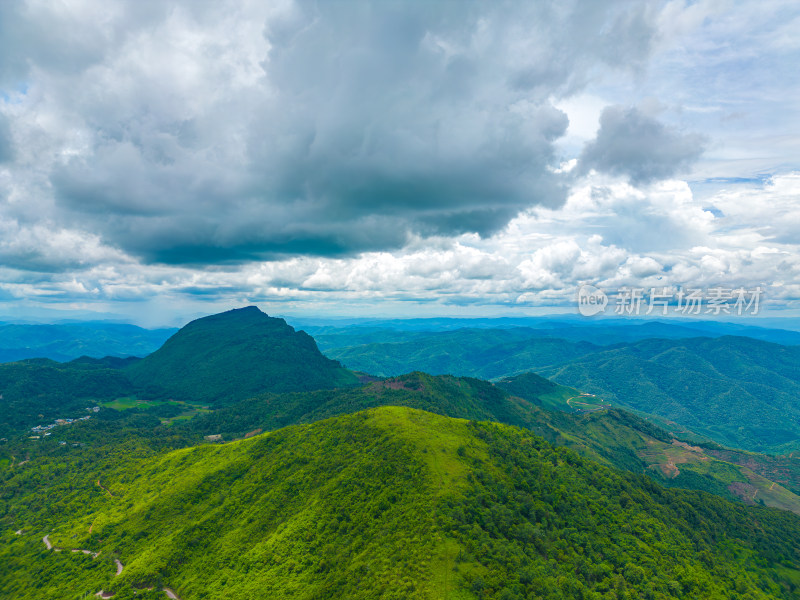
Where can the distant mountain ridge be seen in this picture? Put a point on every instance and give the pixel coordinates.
(331, 335)
(738, 391)
(482, 353)
(65, 342)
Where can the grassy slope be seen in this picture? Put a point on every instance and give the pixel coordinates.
(784, 470)
(395, 503)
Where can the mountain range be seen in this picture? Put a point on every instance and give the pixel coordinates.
(734, 390)
(68, 341)
(237, 461)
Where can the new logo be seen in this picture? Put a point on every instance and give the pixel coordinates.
(591, 300)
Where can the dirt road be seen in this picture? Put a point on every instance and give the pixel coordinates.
(105, 488)
(593, 405)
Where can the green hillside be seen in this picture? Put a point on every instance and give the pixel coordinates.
(737, 391)
(528, 385)
(213, 360)
(38, 391)
(614, 437)
(388, 503)
(460, 397)
(235, 355)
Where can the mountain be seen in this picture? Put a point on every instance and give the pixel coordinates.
(387, 503)
(64, 342)
(251, 360)
(559, 414)
(737, 391)
(336, 336)
(482, 353)
(234, 355)
(216, 359)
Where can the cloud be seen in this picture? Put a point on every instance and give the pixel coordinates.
(770, 211)
(633, 143)
(539, 259)
(6, 142)
(51, 250)
(297, 153)
(203, 133)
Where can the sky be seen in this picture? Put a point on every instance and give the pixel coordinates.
(166, 159)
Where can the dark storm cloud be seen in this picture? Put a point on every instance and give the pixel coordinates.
(63, 40)
(6, 143)
(333, 129)
(635, 144)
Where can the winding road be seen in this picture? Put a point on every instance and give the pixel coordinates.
(103, 594)
(105, 488)
(49, 545)
(586, 396)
